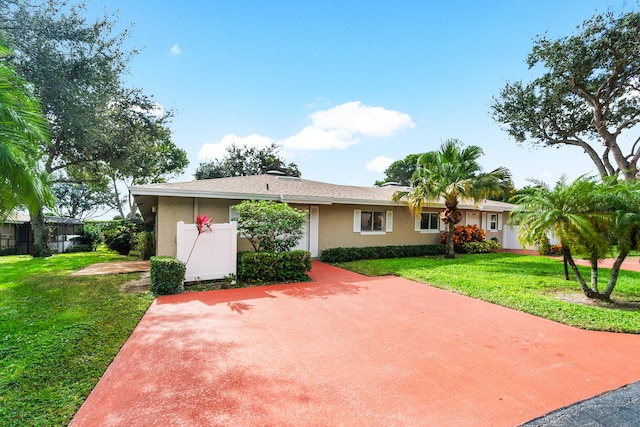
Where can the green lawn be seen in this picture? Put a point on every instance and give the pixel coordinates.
(531, 284)
(58, 334)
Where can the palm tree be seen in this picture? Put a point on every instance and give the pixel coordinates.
(22, 128)
(571, 211)
(452, 173)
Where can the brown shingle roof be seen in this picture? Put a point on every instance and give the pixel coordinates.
(283, 188)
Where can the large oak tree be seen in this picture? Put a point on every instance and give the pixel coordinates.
(588, 95)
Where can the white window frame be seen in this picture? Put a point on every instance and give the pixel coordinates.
(493, 222)
(418, 223)
(387, 222)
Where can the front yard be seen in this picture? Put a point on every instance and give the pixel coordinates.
(531, 284)
(58, 334)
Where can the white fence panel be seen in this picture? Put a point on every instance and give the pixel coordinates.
(210, 255)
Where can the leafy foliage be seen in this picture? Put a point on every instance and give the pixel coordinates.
(401, 171)
(90, 236)
(167, 275)
(121, 238)
(587, 97)
(144, 244)
(79, 200)
(453, 174)
(465, 234)
(586, 216)
(22, 130)
(479, 247)
(270, 226)
(333, 255)
(244, 161)
(270, 267)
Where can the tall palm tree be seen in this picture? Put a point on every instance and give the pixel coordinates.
(571, 211)
(22, 128)
(452, 173)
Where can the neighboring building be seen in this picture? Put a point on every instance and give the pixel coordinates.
(338, 215)
(17, 236)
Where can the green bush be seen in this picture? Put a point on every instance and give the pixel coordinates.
(480, 247)
(9, 251)
(90, 236)
(144, 244)
(120, 238)
(379, 252)
(167, 275)
(80, 248)
(272, 267)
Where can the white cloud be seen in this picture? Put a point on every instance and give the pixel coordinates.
(314, 138)
(211, 151)
(366, 120)
(379, 164)
(175, 50)
(339, 126)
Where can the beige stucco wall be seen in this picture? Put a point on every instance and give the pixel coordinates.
(335, 226)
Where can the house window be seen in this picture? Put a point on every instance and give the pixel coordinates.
(493, 222)
(372, 221)
(430, 221)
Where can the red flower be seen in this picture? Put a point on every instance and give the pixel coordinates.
(203, 223)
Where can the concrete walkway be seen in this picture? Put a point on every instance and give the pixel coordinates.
(350, 350)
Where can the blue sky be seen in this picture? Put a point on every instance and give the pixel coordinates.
(345, 87)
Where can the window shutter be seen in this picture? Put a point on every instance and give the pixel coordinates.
(499, 222)
(389, 220)
(443, 226)
(418, 222)
(357, 215)
(484, 224)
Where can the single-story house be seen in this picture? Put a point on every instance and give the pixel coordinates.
(338, 215)
(16, 234)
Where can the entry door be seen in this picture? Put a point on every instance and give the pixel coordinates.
(473, 218)
(309, 240)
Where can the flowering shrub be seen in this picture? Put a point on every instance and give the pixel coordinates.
(465, 234)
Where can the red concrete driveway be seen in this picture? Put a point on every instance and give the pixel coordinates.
(350, 351)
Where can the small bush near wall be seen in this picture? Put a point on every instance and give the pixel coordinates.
(167, 275)
(480, 247)
(144, 244)
(270, 267)
(378, 252)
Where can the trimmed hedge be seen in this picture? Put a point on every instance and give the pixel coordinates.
(167, 275)
(271, 267)
(377, 252)
(480, 247)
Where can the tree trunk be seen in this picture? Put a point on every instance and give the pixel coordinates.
(566, 267)
(613, 277)
(117, 196)
(585, 288)
(450, 249)
(41, 247)
(594, 274)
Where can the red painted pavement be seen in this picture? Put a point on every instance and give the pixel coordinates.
(351, 351)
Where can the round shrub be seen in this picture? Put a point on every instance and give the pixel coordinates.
(120, 238)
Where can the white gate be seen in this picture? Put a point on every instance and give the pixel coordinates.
(209, 255)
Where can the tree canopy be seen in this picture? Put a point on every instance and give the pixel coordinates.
(243, 161)
(97, 126)
(588, 95)
(588, 217)
(22, 130)
(401, 171)
(453, 174)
